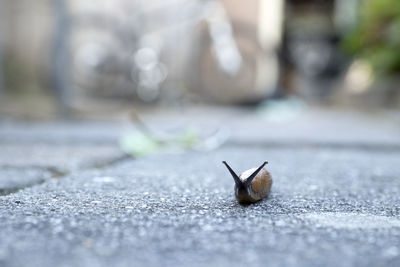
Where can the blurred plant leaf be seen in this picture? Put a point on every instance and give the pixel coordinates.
(139, 144)
(145, 141)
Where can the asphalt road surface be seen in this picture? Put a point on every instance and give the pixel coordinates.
(70, 197)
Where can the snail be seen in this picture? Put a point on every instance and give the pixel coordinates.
(252, 185)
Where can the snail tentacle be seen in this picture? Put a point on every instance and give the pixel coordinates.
(254, 174)
(234, 175)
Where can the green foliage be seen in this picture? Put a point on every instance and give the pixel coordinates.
(376, 36)
(143, 143)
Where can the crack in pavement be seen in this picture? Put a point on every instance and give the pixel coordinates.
(56, 173)
(385, 147)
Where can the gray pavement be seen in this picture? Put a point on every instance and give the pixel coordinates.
(335, 198)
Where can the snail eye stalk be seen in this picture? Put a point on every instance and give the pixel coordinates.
(234, 175)
(254, 174)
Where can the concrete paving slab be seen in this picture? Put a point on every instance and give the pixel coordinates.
(268, 126)
(331, 207)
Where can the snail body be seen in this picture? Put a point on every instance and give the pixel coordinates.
(252, 185)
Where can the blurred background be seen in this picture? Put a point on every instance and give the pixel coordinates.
(66, 59)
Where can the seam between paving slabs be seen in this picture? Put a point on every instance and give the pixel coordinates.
(385, 147)
(378, 147)
(57, 173)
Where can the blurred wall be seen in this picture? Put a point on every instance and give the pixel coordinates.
(26, 31)
(29, 25)
(264, 17)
